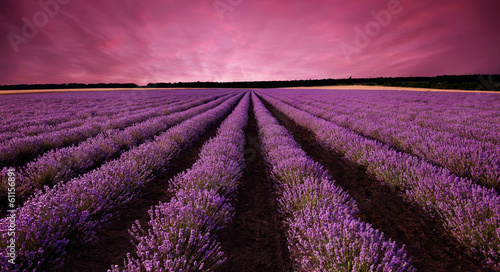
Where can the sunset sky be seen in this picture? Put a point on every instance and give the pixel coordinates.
(62, 41)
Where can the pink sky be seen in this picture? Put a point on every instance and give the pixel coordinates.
(245, 40)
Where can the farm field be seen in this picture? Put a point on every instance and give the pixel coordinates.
(250, 180)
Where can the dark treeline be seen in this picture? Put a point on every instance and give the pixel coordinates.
(67, 86)
(462, 82)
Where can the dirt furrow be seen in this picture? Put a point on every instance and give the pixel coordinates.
(256, 240)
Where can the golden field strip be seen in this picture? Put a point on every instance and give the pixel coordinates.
(85, 90)
(367, 87)
(336, 87)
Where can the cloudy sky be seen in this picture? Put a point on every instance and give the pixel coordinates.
(61, 41)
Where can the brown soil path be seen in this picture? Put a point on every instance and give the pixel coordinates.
(256, 240)
(433, 248)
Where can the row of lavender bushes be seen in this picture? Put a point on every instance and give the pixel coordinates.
(471, 212)
(181, 233)
(63, 164)
(77, 115)
(465, 116)
(27, 111)
(38, 141)
(70, 214)
(54, 165)
(29, 147)
(22, 110)
(468, 115)
(324, 233)
(470, 158)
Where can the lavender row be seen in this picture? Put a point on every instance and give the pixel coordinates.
(471, 212)
(323, 233)
(181, 233)
(28, 110)
(22, 146)
(70, 214)
(63, 164)
(77, 117)
(469, 115)
(37, 114)
(104, 108)
(463, 115)
(474, 159)
(31, 109)
(26, 148)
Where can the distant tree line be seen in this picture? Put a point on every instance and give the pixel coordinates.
(462, 82)
(67, 86)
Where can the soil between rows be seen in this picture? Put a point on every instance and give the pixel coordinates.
(114, 240)
(433, 248)
(256, 240)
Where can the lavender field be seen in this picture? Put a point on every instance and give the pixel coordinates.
(250, 180)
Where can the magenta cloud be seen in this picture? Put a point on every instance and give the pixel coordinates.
(62, 41)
